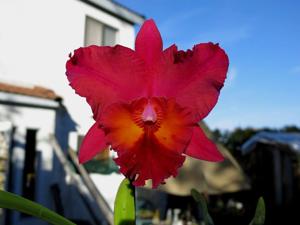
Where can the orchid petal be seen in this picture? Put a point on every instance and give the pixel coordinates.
(149, 160)
(121, 131)
(194, 78)
(201, 147)
(92, 144)
(105, 75)
(148, 44)
(175, 129)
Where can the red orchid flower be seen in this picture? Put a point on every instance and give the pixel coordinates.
(147, 103)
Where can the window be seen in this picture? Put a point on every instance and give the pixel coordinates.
(97, 33)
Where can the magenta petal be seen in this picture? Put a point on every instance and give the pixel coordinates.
(148, 44)
(105, 75)
(92, 144)
(201, 147)
(194, 78)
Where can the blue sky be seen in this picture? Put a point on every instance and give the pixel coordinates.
(262, 41)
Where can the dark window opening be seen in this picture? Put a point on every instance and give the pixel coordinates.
(29, 172)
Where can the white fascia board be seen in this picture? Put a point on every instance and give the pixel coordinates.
(27, 101)
(117, 10)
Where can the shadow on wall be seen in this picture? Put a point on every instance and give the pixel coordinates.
(64, 124)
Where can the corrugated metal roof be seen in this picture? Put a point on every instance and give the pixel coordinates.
(290, 139)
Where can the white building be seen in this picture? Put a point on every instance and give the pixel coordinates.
(35, 160)
(36, 37)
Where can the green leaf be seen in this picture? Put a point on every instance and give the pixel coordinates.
(124, 212)
(199, 198)
(260, 213)
(11, 201)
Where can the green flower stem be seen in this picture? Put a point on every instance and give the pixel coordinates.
(15, 202)
(124, 211)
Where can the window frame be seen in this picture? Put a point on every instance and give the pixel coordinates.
(104, 26)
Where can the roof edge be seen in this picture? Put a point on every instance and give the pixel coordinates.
(118, 10)
(32, 91)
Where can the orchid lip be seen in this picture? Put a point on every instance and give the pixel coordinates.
(149, 114)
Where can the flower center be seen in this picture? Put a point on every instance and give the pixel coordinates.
(149, 114)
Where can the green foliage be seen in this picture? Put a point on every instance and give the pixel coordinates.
(124, 210)
(258, 219)
(101, 166)
(217, 135)
(260, 213)
(239, 136)
(15, 202)
(200, 199)
(290, 129)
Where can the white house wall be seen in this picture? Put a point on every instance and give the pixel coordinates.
(36, 37)
(33, 118)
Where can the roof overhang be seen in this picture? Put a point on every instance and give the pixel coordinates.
(290, 140)
(12, 99)
(117, 10)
